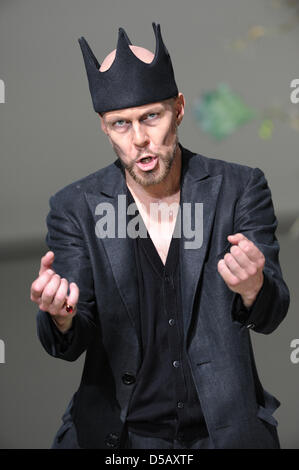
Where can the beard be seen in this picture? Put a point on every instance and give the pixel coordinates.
(157, 175)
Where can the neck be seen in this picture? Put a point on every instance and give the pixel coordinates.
(166, 189)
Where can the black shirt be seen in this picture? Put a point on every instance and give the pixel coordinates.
(165, 402)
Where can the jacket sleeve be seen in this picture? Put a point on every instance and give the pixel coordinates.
(255, 218)
(72, 262)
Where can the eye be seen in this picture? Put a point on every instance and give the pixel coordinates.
(119, 123)
(152, 115)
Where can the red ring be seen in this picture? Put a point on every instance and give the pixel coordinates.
(68, 308)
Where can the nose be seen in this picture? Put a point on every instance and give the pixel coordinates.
(139, 137)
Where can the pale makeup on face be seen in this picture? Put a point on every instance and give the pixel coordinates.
(145, 140)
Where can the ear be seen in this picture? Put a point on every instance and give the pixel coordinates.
(180, 108)
(103, 124)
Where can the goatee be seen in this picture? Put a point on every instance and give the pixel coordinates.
(152, 176)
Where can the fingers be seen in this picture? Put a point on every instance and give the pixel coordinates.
(49, 292)
(74, 294)
(58, 304)
(226, 274)
(241, 269)
(60, 296)
(239, 263)
(39, 284)
(54, 296)
(46, 262)
(236, 238)
(248, 248)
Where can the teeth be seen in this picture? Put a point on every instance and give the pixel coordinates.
(146, 159)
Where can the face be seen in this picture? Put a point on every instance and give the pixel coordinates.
(145, 138)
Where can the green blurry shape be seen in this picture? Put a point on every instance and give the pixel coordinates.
(221, 112)
(266, 129)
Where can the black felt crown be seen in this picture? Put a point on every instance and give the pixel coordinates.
(129, 81)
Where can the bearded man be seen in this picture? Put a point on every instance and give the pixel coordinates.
(165, 322)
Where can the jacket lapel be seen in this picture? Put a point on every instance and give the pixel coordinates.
(197, 187)
(120, 251)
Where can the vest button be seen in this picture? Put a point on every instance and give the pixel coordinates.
(128, 379)
(112, 440)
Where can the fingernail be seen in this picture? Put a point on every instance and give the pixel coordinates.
(50, 271)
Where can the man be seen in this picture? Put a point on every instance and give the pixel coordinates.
(164, 320)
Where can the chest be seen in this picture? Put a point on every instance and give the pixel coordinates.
(160, 220)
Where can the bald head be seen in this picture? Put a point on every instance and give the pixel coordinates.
(143, 54)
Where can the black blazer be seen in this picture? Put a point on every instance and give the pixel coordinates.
(238, 411)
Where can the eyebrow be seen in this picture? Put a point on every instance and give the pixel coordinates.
(123, 118)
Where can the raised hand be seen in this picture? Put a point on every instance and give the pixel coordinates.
(49, 292)
(242, 268)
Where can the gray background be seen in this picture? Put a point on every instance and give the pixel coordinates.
(50, 136)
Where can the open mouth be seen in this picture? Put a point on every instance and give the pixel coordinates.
(145, 159)
(147, 163)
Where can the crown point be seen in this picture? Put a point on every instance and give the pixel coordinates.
(109, 91)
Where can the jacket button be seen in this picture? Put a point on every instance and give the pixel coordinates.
(112, 440)
(128, 379)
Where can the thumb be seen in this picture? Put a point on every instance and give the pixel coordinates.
(46, 262)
